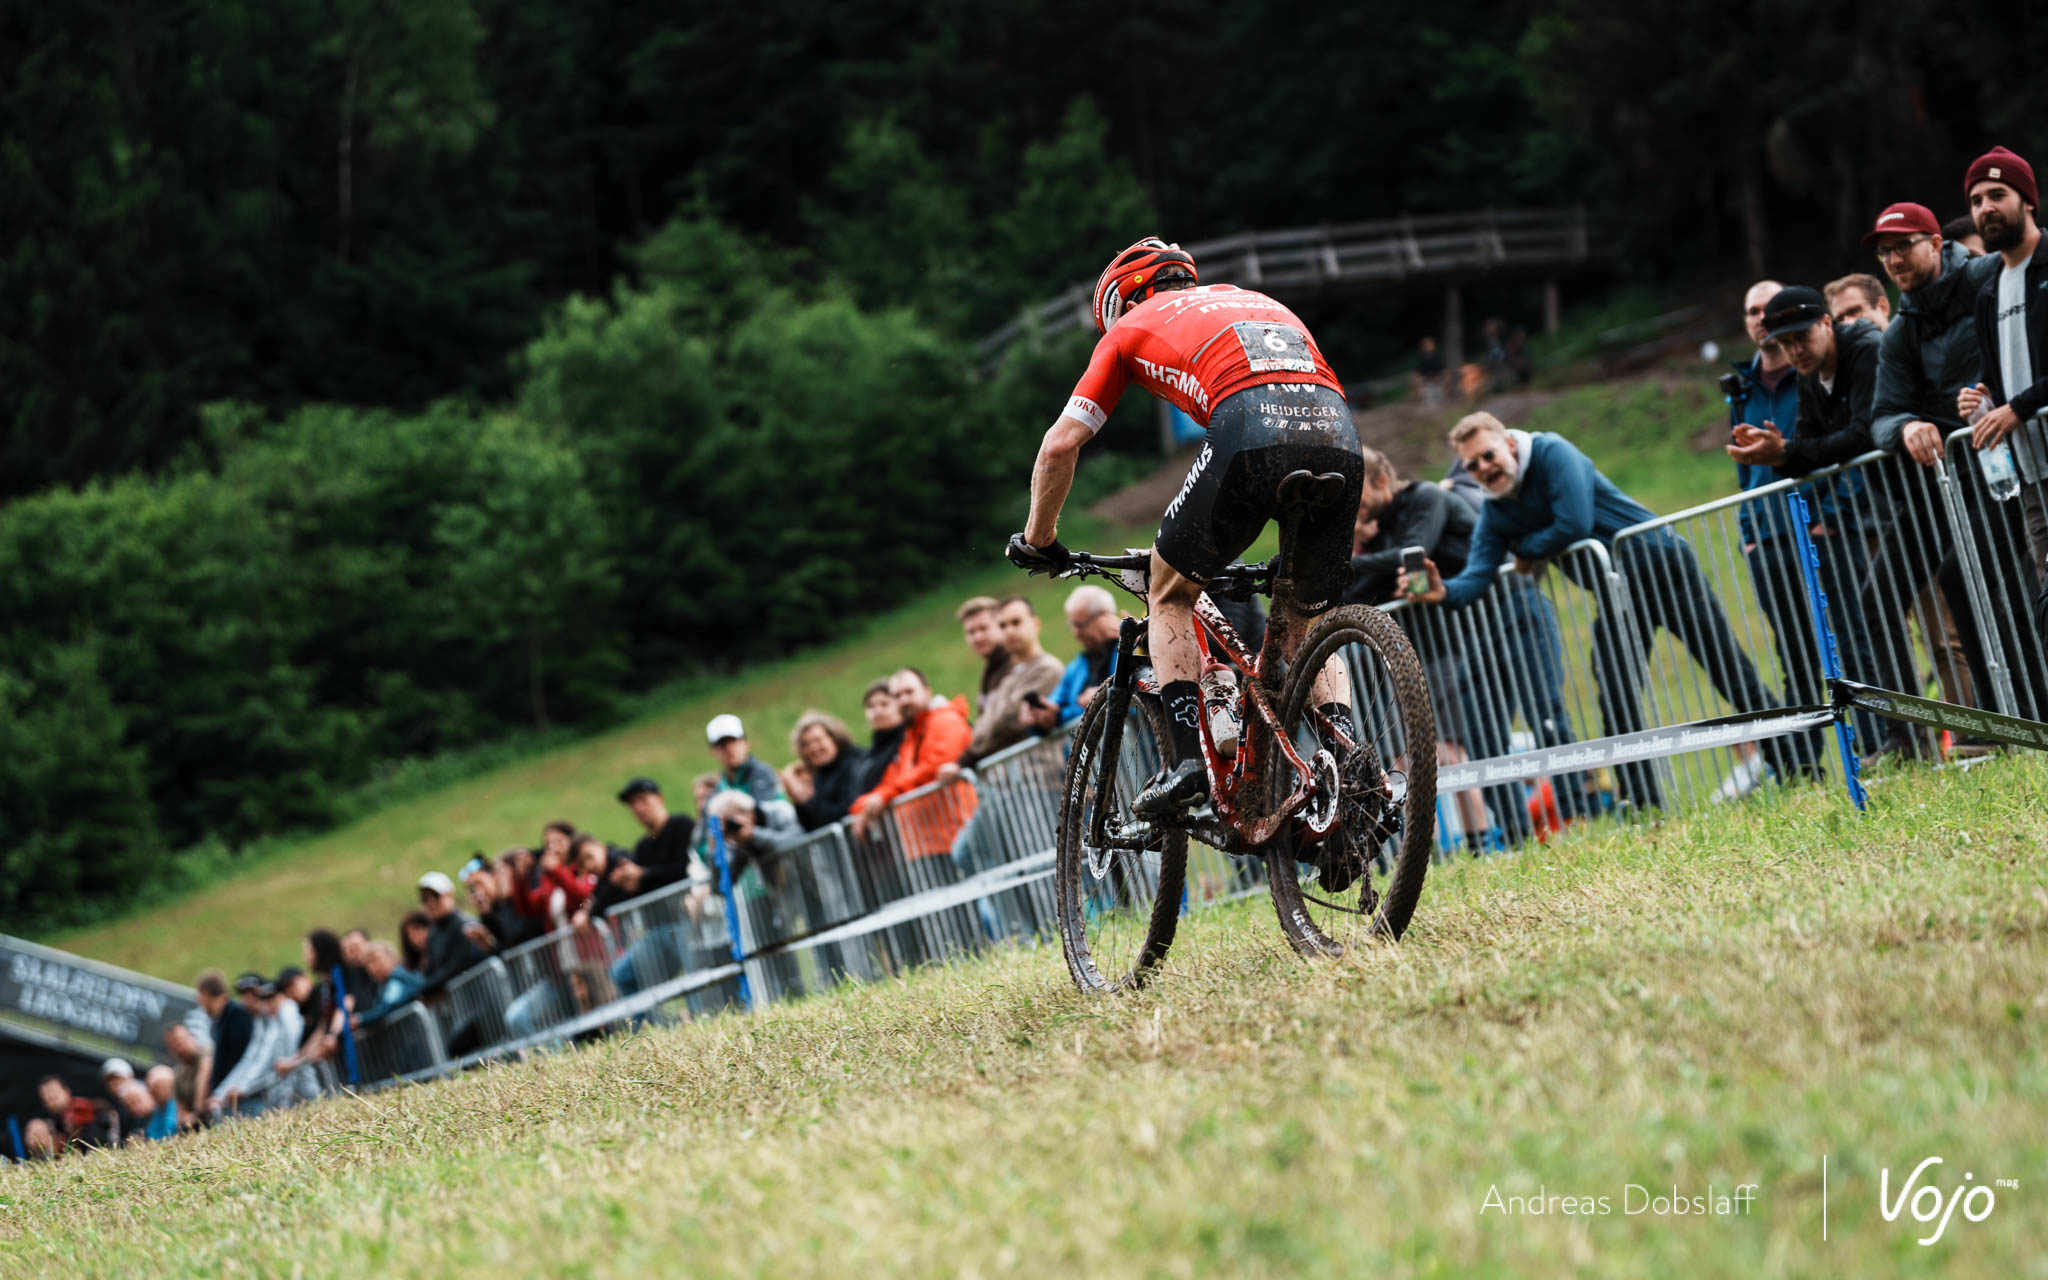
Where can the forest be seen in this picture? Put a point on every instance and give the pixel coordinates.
(385, 378)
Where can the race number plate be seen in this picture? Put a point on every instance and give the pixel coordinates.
(1274, 348)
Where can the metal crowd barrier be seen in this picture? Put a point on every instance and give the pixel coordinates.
(404, 1041)
(674, 931)
(559, 976)
(2003, 543)
(1536, 660)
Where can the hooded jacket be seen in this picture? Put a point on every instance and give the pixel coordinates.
(1932, 349)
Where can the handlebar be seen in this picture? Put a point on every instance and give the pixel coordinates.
(1238, 581)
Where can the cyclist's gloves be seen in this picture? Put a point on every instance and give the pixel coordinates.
(1051, 558)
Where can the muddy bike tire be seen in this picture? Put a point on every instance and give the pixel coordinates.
(1404, 693)
(1116, 928)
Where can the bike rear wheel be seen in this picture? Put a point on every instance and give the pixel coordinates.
(1119, 901)
(1387, 804)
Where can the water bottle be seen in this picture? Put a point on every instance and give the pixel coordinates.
(1219, 695)
(2001, 475)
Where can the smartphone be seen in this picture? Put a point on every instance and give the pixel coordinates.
(1418, 574)
(1036, 699)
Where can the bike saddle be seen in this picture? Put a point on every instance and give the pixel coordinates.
(1306, 490)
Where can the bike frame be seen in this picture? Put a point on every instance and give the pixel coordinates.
(1235, 783)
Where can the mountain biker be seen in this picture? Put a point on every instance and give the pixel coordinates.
(1246, 368)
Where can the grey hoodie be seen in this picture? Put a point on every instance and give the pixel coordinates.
(1930, 352)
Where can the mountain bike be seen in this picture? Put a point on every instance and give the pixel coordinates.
(1324, 812)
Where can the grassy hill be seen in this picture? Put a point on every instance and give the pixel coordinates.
(1641, 432)
(1716, 1002)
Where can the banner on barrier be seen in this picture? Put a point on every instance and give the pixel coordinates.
(1631, 748)
(1943, 715)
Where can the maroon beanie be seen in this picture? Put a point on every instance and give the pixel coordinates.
(2000, 165)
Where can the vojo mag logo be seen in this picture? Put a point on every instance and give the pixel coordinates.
(1928, 1203)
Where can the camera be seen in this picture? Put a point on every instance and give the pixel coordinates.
(1734, 387)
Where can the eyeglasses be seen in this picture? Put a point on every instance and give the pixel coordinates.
(1900, 248)
(1488, 454)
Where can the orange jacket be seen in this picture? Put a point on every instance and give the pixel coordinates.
(936, 737)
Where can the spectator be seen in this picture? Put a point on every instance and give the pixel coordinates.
(1096, 624)
(397, 984)
(934, 735)
(826, 779)
(262, 1081)
(359, 986)
(317, 1037)
(664, 856)
(1472, 696)
(2012, 331)
(1859, 297)
(86, 1123)
(738, 770)
(886, 730)
(978, 625)
(1770, 392)
(113, 1071)
(449, 951)
(1962, 230)
(162, 1083)
(500, 924)
(1837, 368)
(39, 1137)
(1543, 496)
(1429, 379)
(554, 888)
(191, 1067)
(1031, 671)
(413, 931)
(231, 1031)
(1925, 360)
(139, 1108)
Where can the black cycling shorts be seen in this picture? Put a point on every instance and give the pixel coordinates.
(1255, 438)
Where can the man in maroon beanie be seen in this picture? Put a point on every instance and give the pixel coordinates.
(2012, 329)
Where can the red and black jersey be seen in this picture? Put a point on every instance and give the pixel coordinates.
(1197, 347)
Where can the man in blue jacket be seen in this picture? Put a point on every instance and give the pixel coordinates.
(1542, 496)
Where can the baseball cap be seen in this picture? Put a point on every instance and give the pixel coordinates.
(723, 727)
(1794, 309)
(636, 787)
(1903, 219)
(255, 982)
(438, 882)
(117, 1067)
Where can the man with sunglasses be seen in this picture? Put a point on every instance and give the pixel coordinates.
(1543, 496)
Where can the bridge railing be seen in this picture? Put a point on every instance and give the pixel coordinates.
(1308, 259)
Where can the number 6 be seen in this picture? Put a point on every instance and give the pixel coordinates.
(1274, 342)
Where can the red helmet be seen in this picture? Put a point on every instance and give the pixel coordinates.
(1132, 275)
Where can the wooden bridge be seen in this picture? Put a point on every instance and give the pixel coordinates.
(1312, 263)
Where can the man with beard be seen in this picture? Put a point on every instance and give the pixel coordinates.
(1543, 496)
(2012, 329)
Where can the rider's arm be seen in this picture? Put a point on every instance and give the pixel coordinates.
(1052, 476)
(1095, 396)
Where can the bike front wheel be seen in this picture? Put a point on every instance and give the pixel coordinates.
(1117, 882)
(1386, 810)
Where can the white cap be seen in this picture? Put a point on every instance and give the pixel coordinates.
(117, 1067)
(723, 727)
(437, 882)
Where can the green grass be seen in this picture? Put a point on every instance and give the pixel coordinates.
(361, 874)
(1722, 1000)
